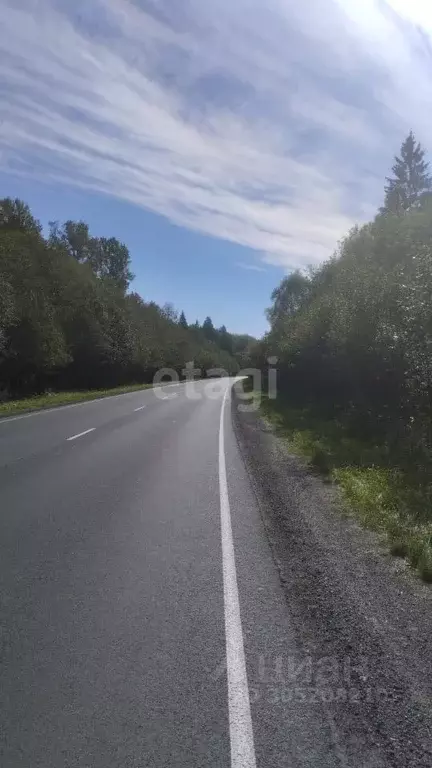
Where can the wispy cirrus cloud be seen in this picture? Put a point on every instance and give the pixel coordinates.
(249, 267)
(268, 125)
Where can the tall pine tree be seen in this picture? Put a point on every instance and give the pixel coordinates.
(411, 179)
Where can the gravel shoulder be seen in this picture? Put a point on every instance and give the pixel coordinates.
(361, 617)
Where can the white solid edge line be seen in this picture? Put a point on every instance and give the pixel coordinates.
(81, 434)
(240, 720)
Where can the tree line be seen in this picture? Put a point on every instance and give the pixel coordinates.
(68, 319)
(354, 335)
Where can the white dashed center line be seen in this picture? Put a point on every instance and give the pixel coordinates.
(81, 434)
(141, 408)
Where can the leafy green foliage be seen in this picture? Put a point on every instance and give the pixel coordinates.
(16, 215)
(108, 258)
(354, 343)
(67, 320)
(288, 297)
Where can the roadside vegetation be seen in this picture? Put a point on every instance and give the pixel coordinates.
(69, 322)
(53, 399)
(354, 342)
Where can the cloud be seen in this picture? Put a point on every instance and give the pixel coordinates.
(250, 267)
(268, 125)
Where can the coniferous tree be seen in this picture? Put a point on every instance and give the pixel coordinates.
(182, 321)
(209, 329)
(411, 179)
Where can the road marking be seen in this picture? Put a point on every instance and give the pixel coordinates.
(141, 408)
(81, 434)
(8, 419)
(240, 720)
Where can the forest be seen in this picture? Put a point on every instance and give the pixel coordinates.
(68, 319)
(354, 342)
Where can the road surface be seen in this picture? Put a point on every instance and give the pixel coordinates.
(142, 612)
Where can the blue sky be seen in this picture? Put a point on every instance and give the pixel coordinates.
(224, 142)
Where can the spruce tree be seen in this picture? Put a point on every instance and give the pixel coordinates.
(182, 321)
(411, 179)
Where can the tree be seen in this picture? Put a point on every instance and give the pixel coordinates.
(7, 310)
(169, 311)
(32, 338)
(288, 297)
(225, 340)
(106, 256)
(182, 321)
(16, 215)
(110, 258)
(66, 320)
(209, 329)
(74, 236)
(411, 179)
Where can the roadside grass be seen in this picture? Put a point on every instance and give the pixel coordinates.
(50, 400)
(393, 500)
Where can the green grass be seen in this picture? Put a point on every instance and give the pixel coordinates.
(39, 402)
(386, 496)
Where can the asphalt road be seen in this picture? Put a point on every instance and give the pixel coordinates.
(142, 612)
